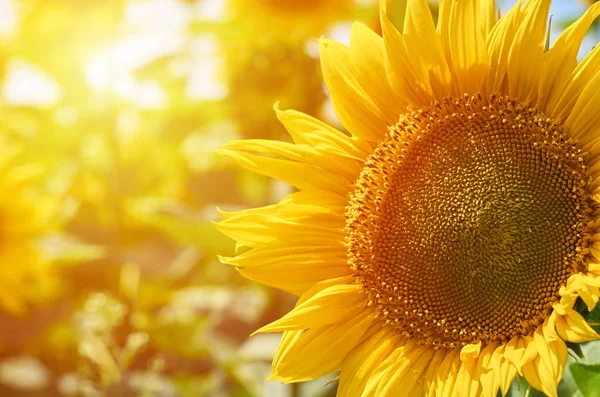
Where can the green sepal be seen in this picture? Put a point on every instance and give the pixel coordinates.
(575, 348)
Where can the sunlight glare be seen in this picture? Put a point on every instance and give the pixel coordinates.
(205, 82)
(26, 85)
(8, 17)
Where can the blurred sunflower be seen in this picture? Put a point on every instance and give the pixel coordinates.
(26, 277)
(289, 18)
(258, 75)
(449, 242)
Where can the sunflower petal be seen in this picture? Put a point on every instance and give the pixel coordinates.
(432, 371)
(423, 43)
(361, 362)
(319, 351)
(460, 27)
(531, 374)
(526, 52)
(504, 370)
(256, 229)
(551, 355)
(367, 49)
(314, 198)
(560, 61)
(584, 120)
(447, 374)
(487, 376)
(404, 375)
(402, 75)
(291, 268)
(572, 327)
(563, 102)
(302, 175)
(355, 109)
(466, 379)
(499, 42)
(331, 305)
(305, 129)
(381, 374)
(344, 168)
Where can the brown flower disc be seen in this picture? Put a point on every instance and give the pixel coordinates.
(467, 219)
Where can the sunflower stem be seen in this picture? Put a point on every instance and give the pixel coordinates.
(295, 390)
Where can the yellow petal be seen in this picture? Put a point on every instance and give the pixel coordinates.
(561, 60)
(525, 55)
(341, 166)
(304, 176)
(305, 129)
(354, 108)
(432, 371)
(331, 201)
(551, 355)
(335, 304)
(504, 370)
(594, 268)
(475, 376)
(254, 230)
(487, 376)
(302, 212)
(319, 351)
(489, 16)
(460, 27)
(563, 103)
(403, 77)
(360, 364)
(291, 268)
(288, 340)
(466, 379)
(530, 372)
(586, 287)
(515, 350)
(405, 374)
(367, 49)
(470, 351)
(445, 377)
(381, 374)
(424, 45)
(572, 327)
(584, 121)
(499, 42)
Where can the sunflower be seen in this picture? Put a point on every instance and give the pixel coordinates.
(26, 275)
(288, 18)
(259, 74)
(446, 245)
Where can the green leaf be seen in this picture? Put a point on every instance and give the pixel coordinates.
(587, 378)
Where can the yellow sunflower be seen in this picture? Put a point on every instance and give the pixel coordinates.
(443, 247)
(26, 276)
(258, 75)
(288, 18)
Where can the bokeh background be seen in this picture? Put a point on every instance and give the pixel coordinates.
(110, 115)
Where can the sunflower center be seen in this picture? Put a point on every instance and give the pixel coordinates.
(467, 219)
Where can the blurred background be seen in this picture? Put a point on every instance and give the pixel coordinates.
(110, 112)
